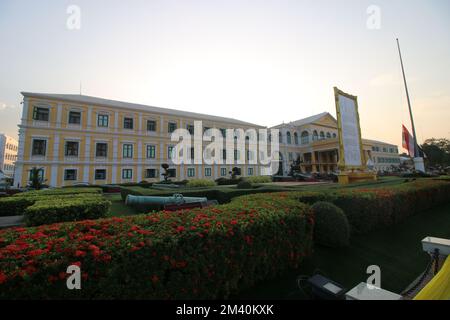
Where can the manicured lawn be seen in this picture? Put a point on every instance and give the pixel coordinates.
(397, 250)
(118, 207)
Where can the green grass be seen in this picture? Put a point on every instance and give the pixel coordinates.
(118, 207)
(396, 250)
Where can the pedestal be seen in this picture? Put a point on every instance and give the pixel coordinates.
(352, 177)
(419, 164)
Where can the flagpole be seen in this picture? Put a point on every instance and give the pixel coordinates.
(416, 153)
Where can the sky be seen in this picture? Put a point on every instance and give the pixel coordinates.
(265, 62)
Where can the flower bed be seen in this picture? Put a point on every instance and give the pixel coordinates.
(198, 254)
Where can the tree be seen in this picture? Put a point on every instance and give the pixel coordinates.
(437, 152)
(235, 172)
(36, 178)
(165, 166)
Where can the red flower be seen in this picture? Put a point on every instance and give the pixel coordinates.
(233, 222)
(180, 229)
(2, 277)
(35, 253)
(80, 253)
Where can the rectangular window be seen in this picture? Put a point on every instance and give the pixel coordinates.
(71, 149)
(192, 153)
(190, 128)
(128, 123)
(223, 172)
(151, 125)
(70, 175)
(128, 151)
(191, 172)
(150, 173)
(250, 171)
(236, 155)
(170, 152)
(127, 174)
(172, 173)
(172, 126)
(101, 150)
(40, 174)
(224, 132)
(74, 117)
(41, 114)
(208, 172)
(151, 152)
(103, 120)
(224, 154)
(100, 174)
(39, 147)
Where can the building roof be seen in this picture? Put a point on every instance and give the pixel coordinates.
(379, 142)
(305, 121)
(76, 98)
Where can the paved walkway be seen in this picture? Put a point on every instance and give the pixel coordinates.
(13, 221)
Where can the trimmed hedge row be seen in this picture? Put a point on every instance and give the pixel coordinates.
(368, 209)
(204, 253)
(61, 191)
(48, 211)
(14, 206)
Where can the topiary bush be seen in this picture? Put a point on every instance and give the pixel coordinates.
(331, 225)
(244, 185)
(259, 179)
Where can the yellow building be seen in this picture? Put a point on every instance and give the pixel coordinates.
(81, 139)
(314, 141)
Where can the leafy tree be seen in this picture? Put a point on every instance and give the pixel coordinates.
(437, 152)
(36, 178)
(166, 174)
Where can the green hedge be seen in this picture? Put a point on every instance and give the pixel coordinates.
(69, 209)
(331, 225)
(367, 209)
(16, 205)
(204, 253)
(61, 191)
(194, 183)
(12, 206)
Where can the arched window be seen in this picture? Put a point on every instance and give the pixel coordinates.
(296, 138)
(305, 137)
(289, 139)
(328, 135)
(322, 135)
(334, 135)
(315, 136)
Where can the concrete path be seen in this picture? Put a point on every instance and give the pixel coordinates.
(13, 221)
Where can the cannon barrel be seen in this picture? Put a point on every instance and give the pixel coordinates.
(154, 200)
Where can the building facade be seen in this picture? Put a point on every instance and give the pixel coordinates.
(79, 139)
(76, 139)
(8, 154)
(314, 142)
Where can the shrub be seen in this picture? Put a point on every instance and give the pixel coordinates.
(195, 183)
(259, 179)
(62, 191)
(48, 211)
(14, 206)
(204, 253)
(244, 185)
(331, 225)
(228, 182)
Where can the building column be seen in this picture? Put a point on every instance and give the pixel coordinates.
(87, 156)
(58, 115)
(54, 167)
(139, 167)
(313, 162)
(115, 161)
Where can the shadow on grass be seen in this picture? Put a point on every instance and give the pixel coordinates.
(396, 250)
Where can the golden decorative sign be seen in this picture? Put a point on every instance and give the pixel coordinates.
(351, 152)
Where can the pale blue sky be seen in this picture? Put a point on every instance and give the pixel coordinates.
(260, 61)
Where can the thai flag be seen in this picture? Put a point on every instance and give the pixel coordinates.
(408, 141)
